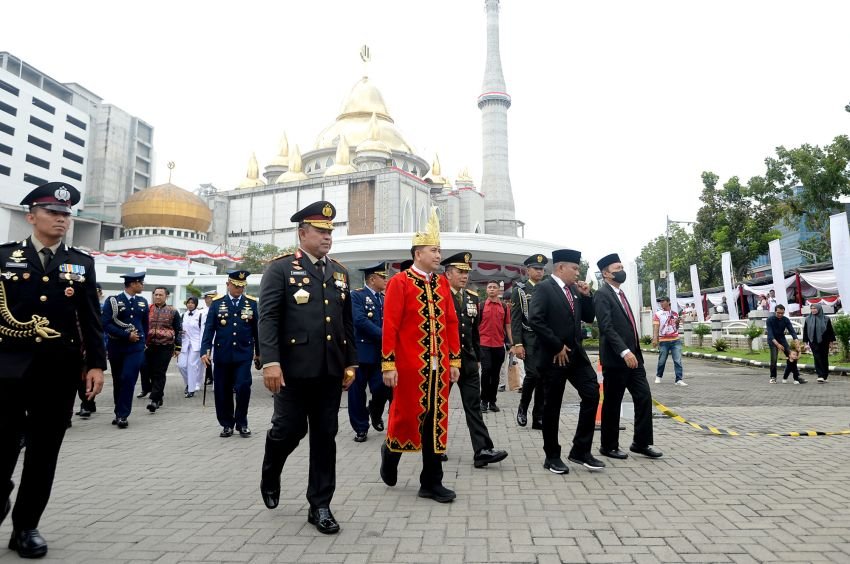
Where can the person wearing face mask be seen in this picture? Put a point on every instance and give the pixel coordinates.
(622, 364)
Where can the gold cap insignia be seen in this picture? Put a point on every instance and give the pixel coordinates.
(539, 258)
(467, 257)
(241, 276)
(327, 211)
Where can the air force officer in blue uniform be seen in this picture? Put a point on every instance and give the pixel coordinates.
(125, 322)
(230, 341)
(367, 306)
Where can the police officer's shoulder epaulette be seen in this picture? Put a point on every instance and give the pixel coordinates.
(472, 293)
(10, 243)
(342, 266)
(80, 251)
(520, 284)
(250, 297)
(358, 289)
(284, 255)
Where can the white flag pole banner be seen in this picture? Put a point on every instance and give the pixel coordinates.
(840, 239)
(778, 271)
(731, 297)
(653, 302)
(671, 288)
(697, 293)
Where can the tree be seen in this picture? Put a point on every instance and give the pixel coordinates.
(653, 259)
(814, 180)
(737, 218)
(256, 257)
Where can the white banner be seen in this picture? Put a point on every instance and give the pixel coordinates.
(697, 293)
(731, 295)
(840, 239)
(824, 280)
(671, 289)
(778, 271)
(653, 303)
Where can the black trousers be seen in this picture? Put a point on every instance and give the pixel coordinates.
(820, 352)
(492, 359)
(157, 359)
(85, 403)
(470, 387)
(307, 403)
(532, 385)
(774, 354)
(39, 412)
(432, 467)
(616, 382)
(791, 368)
(583, 378)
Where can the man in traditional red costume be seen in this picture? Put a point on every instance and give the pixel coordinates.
(420, 359)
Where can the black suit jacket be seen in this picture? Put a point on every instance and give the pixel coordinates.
(616, 332)
(468, 318)
(555, 324)
(64, 294)
(306, 321)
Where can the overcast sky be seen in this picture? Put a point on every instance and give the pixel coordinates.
(617, 106)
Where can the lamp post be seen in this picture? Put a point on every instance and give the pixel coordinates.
(667, 244)
(806, 254)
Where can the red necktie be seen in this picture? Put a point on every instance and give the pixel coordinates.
(570, 298)
(628, 312)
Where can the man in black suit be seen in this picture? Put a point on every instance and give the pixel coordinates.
(309, 356)
(622, 364)
(50, 336)
(560, 304)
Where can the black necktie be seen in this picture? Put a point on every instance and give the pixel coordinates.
(46, 256)
(320, 266)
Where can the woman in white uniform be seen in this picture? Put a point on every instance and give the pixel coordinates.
(189, 361)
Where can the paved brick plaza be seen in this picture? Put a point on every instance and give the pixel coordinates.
(168, 489)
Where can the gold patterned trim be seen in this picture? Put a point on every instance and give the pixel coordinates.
(387, 366)
(454, 363)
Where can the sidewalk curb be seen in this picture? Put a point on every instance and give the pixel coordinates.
(842, 370)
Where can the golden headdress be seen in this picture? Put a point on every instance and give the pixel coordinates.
(431, 236)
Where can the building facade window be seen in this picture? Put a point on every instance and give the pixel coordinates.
(9, 88)
(71, 174)
(39, 142)
(8, 129)
(43, 105)
(34, 179)
(4, 170)
(37, 161)
(74, 121)
(11, 110)
(75, 139)
(72, 157)
(42, 124)
(5, 149)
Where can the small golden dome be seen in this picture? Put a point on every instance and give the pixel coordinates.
(282, 158)
(354, 120)
(252, 180)
(343, 160)
(374, 143)
(436, 172)
(166, 205)
(294, 173)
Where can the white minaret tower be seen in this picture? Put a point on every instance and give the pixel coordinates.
(494, 102)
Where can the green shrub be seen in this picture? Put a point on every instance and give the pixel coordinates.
(751, 333)
(841, 326)
(646, 340)
(701, 330)
(721, 345)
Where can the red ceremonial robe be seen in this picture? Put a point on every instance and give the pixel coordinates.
(420, 322)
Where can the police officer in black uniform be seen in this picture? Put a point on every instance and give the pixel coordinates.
(525, 342)
(308, 355)
(125, 321)
(230, 338)
(50, 334)
(467, 308)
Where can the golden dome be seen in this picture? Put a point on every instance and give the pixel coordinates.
(436, 172)
(343, 160)
(374, 143)
(166, 205)
(355, 119)
(294, 173)
(252, 180)
(282, 158)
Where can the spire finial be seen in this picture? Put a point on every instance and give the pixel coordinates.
(366, 57)
(170, 166)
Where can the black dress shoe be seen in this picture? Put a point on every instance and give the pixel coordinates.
(537, 424)
(122, 423)
(84, 413)
(152, 406)
(375, 418)
(270, 493)
(588, 461)
(613, 453)
(360, 437)
(556, 466)
(494, 408)
(488, 456)
(438, 493)
(389, 470)
(28, 543)
(648, 450)
(226, 432)
(444, 457)
(324, 520)
(484, 407)
(115, 421)
(5, 511)
(143, 394)
(521, 416)
(244, 432)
